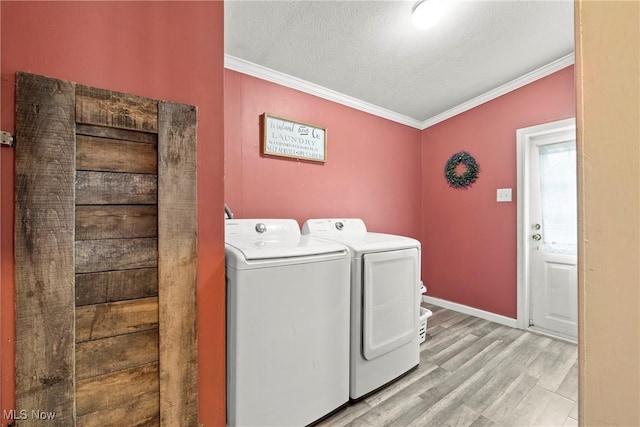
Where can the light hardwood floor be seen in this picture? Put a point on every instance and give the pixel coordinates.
(474, 372)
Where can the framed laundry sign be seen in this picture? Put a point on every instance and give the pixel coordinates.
(289, 138)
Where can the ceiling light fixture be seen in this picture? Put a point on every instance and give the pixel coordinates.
(427, 13)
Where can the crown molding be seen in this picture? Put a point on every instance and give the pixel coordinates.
(268, 74)
(524, 80)
(264, 73)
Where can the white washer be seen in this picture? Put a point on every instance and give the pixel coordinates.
(287, 324)
(385, 283)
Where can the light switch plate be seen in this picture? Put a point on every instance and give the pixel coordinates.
(503, 195)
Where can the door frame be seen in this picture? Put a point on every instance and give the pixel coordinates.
(524, 138)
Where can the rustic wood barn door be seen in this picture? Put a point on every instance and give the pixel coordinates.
(105, 252)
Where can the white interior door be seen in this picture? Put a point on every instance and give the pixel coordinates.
(548, 229)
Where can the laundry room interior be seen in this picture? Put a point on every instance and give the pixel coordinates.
(381, 171)
(391, 176)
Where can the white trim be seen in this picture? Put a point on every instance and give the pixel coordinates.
(487, 315)
(524, 138)
(522, 254)
(531, 77)
(264, 73)
(554, 335)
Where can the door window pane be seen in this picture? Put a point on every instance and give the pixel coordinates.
(558, 197)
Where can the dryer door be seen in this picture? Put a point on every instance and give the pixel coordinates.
(390, 301)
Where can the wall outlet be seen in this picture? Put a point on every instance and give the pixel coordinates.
(503, 195)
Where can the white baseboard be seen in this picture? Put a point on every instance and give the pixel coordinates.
(492, 317)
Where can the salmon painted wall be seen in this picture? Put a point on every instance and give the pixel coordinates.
(469, 240)
(163, 50)
(372, 169)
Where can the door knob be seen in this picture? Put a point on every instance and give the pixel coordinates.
(536, 226)
(536, 236)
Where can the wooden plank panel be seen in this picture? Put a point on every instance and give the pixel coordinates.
(108, 188)
(109, 286)
(142, 410)
(124, 389)
(116, 221)
(123, 317)
(113, 133)
(116, 353)
(119, 110)
(115, 254)
(177, 226)
(111, 155)
(44, 162)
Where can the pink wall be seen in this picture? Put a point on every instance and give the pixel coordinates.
(468, 239)
(372, 169)
(164, 50)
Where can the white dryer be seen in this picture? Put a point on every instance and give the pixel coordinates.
(287, 324)
(385, 283)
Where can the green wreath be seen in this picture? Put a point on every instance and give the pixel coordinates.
(465, 179)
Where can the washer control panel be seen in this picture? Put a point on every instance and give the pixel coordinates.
(261, 228)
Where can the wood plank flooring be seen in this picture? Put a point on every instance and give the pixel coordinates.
(476, 373)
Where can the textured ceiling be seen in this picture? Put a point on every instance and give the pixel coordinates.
(370, 51)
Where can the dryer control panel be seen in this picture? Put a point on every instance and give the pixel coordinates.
(334, 226)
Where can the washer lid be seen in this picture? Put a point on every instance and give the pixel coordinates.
(259, 239)
(289, 247)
